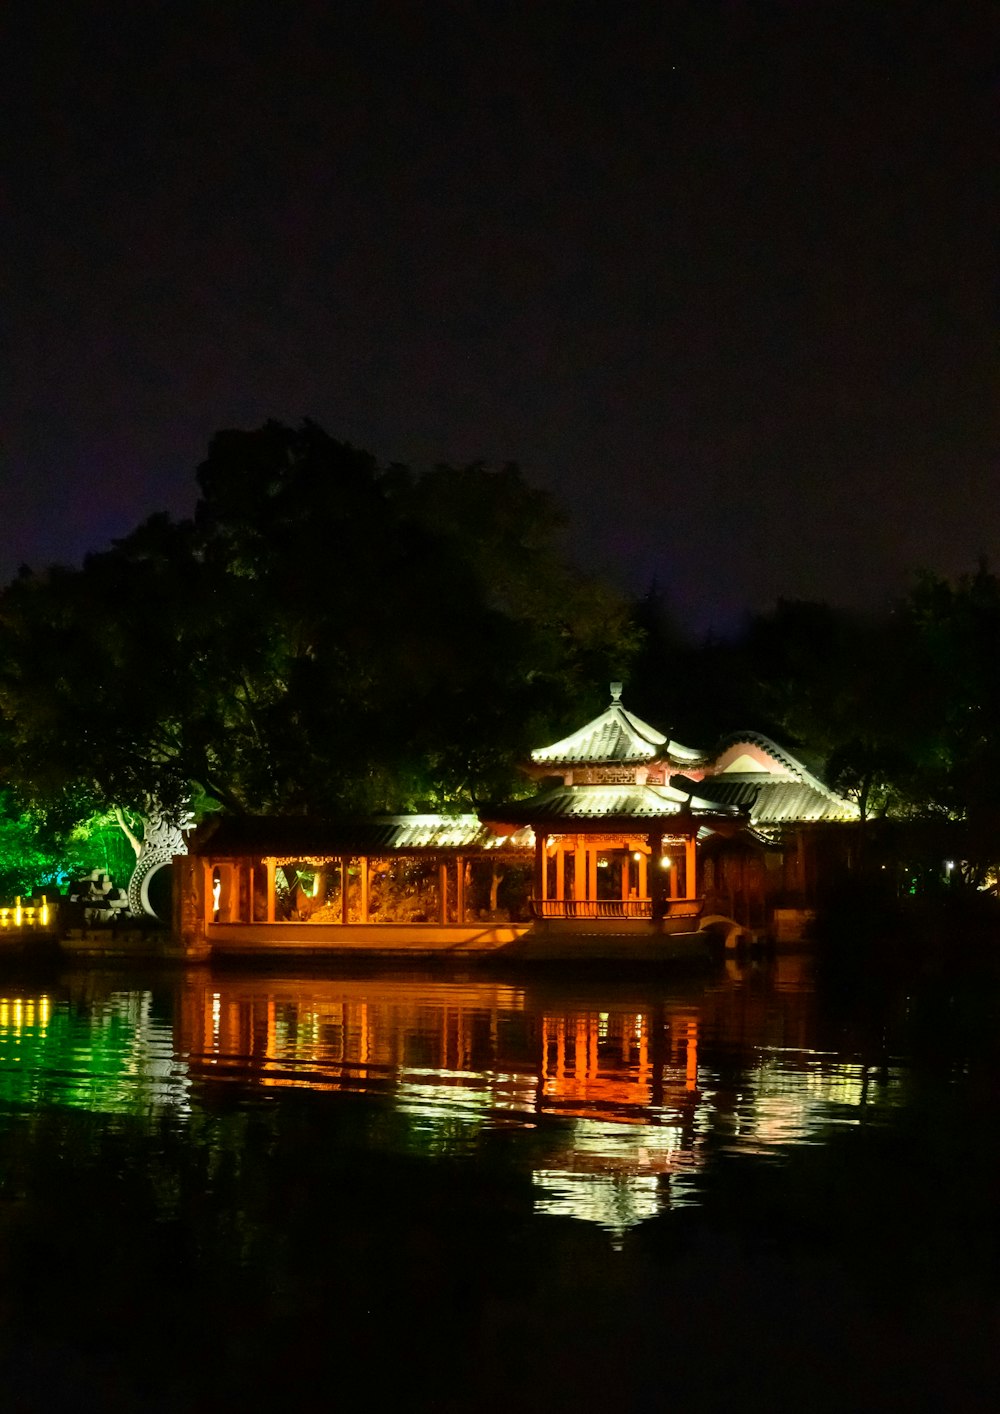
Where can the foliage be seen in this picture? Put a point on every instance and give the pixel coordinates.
(902, 707)
(838, 681)
(324, 635)
(328, 634)
(694, 691)
(37, 854)
(957, 624)
(25, 859)
(897, 709)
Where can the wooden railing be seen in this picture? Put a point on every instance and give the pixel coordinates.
(614, 907)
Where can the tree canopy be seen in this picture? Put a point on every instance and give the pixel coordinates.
(327, 634)
(897, 707)
(324, 634)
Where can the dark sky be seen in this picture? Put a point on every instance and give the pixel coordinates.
(719, 275)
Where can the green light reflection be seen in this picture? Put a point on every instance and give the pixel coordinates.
(112, 1059)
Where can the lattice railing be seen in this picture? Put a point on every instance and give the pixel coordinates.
(613, 907)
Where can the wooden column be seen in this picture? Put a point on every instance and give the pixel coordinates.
(579, 869)
(539, 865)
(690, 867)
(243, 911)
(561, 872)
(225, 893)
(592, 872)
(443, 892)
(626, 873)
(657, 882)
(675, 883)
(208, 900)
(344, 876)
(272, 869)
(643, 889)
(364, 888)
(460, 890)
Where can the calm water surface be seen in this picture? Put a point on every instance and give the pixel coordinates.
(283, 1178)
(623, 1092)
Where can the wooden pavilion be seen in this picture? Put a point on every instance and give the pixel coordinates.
(615, 843)
(799, 836)
(629, 835)
(407, 881)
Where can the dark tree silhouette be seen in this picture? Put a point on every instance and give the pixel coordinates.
(325, 635)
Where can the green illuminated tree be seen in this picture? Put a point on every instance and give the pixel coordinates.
(40, 852)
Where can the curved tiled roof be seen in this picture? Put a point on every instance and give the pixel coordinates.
(304, 836)
(791, 793)
(773, 800)
(783, 757)
(613, 736)
(606, 801)
(617, 735)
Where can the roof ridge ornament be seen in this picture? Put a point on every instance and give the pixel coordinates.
(616, 693)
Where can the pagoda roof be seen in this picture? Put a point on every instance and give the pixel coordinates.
(619, 803)
(780, 755)
(778, 790)
(617, 735)
(773, 801)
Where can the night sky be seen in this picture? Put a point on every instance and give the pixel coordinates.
(718, 275)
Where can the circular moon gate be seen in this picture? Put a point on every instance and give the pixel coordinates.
(149, 888)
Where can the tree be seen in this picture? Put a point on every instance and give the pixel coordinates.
(902, 708)
(957, 627)
(37, 853)
(324, 635)
(840, 684)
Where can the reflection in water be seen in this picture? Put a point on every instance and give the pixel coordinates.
(111, 1056)
(614, 1096)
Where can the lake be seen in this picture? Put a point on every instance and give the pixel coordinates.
(764, 1186)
